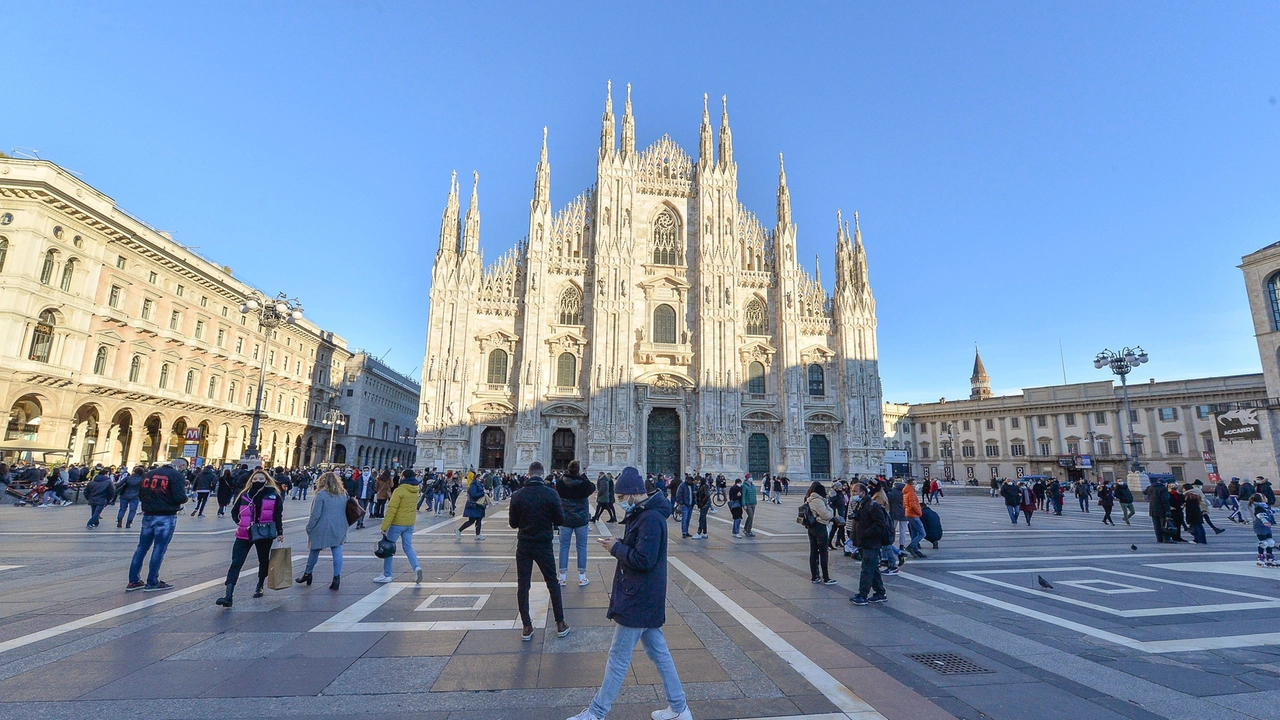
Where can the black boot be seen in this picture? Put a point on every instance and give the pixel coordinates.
(258, 592)
(336, 582)
(225, 600)
(306, 578)
(119, 523)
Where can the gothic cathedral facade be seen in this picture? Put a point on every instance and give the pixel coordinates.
(653, 321)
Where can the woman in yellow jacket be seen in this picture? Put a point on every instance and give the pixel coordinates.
(402, 512)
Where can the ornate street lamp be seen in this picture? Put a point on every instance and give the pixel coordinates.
(271, 314)
(1122, 363)
(333, 418)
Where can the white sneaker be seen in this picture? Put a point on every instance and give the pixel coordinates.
(417, 574)
(562, 580)
(737, 535)
(479, 537)
(584, 715)
(457, 534)
(670, 714)
(583, 581)
(382, 579)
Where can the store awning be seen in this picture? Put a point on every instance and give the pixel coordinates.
(31, 446)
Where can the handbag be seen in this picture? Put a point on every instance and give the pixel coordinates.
(385, 549)
(354, 511)
(483, 501)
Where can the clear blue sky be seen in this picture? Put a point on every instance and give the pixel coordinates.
(1025, 172)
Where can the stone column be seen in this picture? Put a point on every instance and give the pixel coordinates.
(77, 446)
(162, 451)
(105, 448)
(220, 445)
(133, 452)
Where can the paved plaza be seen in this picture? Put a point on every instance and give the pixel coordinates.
(1162, 631)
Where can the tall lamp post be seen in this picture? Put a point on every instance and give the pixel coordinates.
(951, 455)
(1122, 363)
(333, 418)
(271, 314)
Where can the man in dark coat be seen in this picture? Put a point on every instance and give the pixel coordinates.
(535, 512)
(575, 492)
(98, 493)
(639, 597)
(868, 525)
(1158, 508)
(1012, 499)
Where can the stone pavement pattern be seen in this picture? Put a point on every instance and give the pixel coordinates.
(1124, 634)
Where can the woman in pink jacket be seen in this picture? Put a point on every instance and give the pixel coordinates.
(259, 514)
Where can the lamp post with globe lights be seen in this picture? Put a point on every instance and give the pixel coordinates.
(271, 314)
(1121, 363)
(333, 418)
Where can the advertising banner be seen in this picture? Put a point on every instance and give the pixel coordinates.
(1242, 424)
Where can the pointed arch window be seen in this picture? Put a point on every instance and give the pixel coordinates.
(4, 251)
(135, 368)
(756, 320)
(664, 324)
(46, 270)
(68, 273)
(100, 360)
(571, 306)
(498, 367)
(817, 381)
(666, 239)
(567, 370)
(42, 338)
(755, 378)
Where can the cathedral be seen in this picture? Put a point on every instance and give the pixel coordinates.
(653, 321)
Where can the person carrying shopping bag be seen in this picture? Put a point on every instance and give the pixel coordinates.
(259, 514)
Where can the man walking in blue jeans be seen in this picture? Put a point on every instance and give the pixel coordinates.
(639, 598)
(162, 493)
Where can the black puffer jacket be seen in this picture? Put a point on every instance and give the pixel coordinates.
(535, 511)
(575, 492)
(867, 523)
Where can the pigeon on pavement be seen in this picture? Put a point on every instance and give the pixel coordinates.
(1043, 583)
(1133, 548)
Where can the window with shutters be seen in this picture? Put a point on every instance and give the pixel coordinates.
(755, 378)
(46, 270)
(567, 370)
(498, 367)
(664, 324)
(135, 368)
(42, 337)
(100, 361)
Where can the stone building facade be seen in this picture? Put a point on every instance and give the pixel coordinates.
(653, 321)
(115, 340)
(380, 408)
(1072, 430)
(1258, 453)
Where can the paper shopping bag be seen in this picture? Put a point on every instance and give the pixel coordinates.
(280, 568)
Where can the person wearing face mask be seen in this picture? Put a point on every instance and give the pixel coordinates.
(260, 502)
(639, 598)
(868, 526)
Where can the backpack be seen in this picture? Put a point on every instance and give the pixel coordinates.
(804, 516)
(886, 535)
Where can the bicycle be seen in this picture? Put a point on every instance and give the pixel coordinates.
(720, 497)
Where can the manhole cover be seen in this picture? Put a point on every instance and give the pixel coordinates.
(948, 663)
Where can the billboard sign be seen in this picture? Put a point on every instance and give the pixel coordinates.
(1241, 424)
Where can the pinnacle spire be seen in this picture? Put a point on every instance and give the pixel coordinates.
(471, 227)
(726, 137)
(704, 135)
(628, 128)
(817, 268)
(606, 122)
(449, 220)
(784, 197)
(542, 185)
